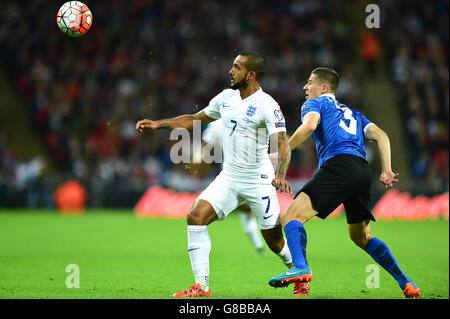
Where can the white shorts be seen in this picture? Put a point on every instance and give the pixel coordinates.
(225, 196)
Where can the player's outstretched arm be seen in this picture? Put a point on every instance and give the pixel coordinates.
(284, 158)
(304, 131)
(183, 121)
(387, 177)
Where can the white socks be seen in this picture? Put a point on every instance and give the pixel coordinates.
(251, 229)
(199, 246)
(285, 255)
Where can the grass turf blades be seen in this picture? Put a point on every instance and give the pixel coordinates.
(122, 256)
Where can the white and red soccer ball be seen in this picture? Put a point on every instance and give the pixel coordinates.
(74, 18)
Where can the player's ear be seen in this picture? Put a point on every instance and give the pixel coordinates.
(325, 88)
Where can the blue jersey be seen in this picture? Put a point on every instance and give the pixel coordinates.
(340, 130)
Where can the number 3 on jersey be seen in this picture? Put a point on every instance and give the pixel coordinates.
(348, 115)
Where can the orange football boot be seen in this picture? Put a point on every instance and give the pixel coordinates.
(301, 288)
(194, 291)
(411, 290)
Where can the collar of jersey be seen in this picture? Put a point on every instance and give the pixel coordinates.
(330, 95)
(254, 94)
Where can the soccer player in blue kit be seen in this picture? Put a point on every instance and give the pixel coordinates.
(343, 177)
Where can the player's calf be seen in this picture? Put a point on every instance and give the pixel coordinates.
(360, 233)
(274, 238)
(276, 242)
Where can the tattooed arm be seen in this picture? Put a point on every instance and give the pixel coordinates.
(284, 158)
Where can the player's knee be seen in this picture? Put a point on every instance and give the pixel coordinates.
(285, 219)
(202, 213)
(298, 211)
(195, 217)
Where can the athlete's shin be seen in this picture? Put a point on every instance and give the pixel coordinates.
(285, 255)
(199, 247)
(296, 240)
(276, 242)
(380, 252)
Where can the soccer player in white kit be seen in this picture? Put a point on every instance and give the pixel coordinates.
(212, 136)
(250, 119)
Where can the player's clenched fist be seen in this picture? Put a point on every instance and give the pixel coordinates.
(282, 185)
(388, 179)
(142, 124)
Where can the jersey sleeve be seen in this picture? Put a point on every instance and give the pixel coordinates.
(310, 106)
(365, 123)
(213, 132)
(213, 108)
(274, 119)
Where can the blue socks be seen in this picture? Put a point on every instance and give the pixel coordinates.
(296, 240)
(382, 255)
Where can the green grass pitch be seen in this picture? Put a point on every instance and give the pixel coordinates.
(122, 256)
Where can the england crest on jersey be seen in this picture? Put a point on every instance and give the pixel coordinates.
(251, 111)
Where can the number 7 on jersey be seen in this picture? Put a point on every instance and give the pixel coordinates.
(234, 127)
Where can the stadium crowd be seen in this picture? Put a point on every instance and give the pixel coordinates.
(417, 48)
(149, 59)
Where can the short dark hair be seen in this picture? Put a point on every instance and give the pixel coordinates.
(255, 63)
(330, 76)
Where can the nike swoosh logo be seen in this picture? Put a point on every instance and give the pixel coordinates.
(265, 217)
(193, 249)
(293, 273)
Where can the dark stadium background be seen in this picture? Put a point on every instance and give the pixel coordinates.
(68, 106)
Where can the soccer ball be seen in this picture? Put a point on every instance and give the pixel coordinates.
(74, 18)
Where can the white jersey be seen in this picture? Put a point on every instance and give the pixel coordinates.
(247, 125)
(213, 133)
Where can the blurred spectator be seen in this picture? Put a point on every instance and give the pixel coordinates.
(370, 49)
(416, 37)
